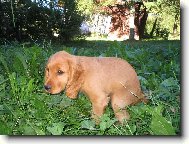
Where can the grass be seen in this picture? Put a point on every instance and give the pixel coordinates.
(26, 110)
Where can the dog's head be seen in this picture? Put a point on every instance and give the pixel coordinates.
(63, 71)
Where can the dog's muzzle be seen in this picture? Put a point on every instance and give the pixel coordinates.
(47, 87)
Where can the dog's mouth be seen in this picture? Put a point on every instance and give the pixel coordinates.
(50, 90)
(54, 92)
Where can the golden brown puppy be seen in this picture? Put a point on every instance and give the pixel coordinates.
(101, 79)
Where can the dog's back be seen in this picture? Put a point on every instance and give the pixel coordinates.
(112, 74)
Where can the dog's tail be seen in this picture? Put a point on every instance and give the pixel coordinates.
(144, 99)
(141, 98)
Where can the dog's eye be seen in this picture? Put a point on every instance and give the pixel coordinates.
(47, 69)
(60, 72)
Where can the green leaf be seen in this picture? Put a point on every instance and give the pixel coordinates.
(5, 129)
(55, 100)
(4, 63)
(133, 128)
(160, 126)
(103, 126)
(39, 132)
(106, 122)
(143, 80)
(57, 128)
(30, 85)
(158, 109)
(65, 102)
(28, 130)
(169, 83)
(88, 124)
(1, 107)
(22, 59)
(3, 110)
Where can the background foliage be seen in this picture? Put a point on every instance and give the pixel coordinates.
(38, 20)
(167, 14)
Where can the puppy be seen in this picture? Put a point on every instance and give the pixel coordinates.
(101, 79)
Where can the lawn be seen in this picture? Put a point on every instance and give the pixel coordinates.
(25, 109)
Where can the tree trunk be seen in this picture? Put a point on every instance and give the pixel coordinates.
(175, 26)
(132, 26)
(142, 22)
(153, 28)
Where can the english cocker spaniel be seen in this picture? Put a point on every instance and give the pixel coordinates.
(102, 79)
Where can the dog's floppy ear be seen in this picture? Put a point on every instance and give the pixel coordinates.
(75, 79)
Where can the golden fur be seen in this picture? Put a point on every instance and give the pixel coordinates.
(101, 79)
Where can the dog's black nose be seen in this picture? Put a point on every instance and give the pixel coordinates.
(47, 87)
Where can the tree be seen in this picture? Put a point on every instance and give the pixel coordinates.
(167, 16)
(70, 21)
